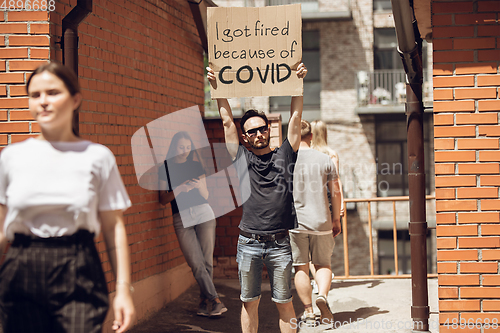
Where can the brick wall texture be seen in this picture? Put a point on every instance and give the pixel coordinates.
(24, 45)
(138, 60)
(466, 40)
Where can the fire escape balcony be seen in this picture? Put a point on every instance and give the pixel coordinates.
(386, 89)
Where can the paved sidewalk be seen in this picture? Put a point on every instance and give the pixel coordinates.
(358, 306)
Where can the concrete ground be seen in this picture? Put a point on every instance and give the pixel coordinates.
(358, 306)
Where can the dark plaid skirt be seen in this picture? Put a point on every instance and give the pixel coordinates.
(53, 285)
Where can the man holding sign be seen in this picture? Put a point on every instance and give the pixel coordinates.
(258, 52)
(268, 214)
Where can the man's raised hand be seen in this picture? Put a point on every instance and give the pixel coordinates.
(301, 71)
(211, 77)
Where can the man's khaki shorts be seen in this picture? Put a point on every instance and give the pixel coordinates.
(310, 247)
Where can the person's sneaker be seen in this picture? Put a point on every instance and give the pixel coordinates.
(326, 313)
(203, 309)
(218, 308)
(309, 318)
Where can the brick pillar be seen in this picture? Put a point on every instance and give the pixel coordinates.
(24, 45)
(466, 104)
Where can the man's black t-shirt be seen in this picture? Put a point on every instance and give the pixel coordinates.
(178, 174)
(269, 209)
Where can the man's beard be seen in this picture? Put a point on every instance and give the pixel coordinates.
(260, 145)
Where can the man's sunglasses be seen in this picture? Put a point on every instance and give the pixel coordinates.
(253, 132)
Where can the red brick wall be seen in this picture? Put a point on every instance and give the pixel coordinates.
(137, 62)
(24, 45)
(466, 42)
(227, 225)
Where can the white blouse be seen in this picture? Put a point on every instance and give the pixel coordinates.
(52, 189)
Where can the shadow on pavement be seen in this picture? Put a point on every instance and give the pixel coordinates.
(360, 313)
(347, 284)
(180, 315)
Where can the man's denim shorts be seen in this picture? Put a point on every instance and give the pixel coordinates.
(277, 256)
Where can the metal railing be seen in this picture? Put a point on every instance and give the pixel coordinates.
(386, 87)
(370, 238)
(286, 2)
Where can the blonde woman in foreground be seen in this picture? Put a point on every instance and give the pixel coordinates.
(57, 193)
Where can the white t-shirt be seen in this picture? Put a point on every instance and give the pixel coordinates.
(52, 189)
(313, 170)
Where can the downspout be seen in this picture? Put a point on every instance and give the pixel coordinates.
(69, 43)
(195, 5)
(410, 49)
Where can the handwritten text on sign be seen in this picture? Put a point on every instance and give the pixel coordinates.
(255, 51)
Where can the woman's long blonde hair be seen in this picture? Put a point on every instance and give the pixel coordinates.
(319, 139)
(319, 142)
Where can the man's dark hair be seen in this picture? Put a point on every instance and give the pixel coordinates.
(249, 114)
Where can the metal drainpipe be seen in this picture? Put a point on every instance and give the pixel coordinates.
(410, 49)
(70, 42)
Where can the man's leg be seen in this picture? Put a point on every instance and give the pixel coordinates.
(287, 313)
(323, 279)
(250, 316)
(249, 258)
(300, 253)
(321, 250)
(279, 267)
(303, 286)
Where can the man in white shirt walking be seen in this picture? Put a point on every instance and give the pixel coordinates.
(313, 240)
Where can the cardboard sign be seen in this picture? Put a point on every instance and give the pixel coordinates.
(255, 51)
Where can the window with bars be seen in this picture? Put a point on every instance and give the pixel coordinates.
(386, 252)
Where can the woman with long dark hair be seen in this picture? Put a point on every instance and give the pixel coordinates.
(194, 219)
(57, 193)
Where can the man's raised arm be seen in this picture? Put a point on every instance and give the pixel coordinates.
(230, 130)
(296, 113)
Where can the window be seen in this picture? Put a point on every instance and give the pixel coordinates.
(307, 5)
(386, 252)
(385, 51)
(312, 82)
(392, 154)
(382, 5)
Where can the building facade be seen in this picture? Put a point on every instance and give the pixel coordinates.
(356, 85)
